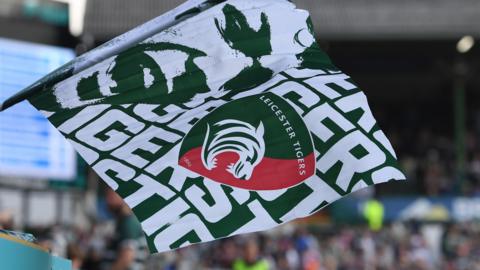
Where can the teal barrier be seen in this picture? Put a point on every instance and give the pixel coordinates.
(17, 254)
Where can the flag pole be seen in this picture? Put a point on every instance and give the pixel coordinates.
(17, 98)
(110, 48)
(51, 79)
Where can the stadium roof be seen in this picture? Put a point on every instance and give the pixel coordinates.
(333, 19)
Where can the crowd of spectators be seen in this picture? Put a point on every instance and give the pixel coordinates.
(398, 246)
(432, 170)
(429, 158)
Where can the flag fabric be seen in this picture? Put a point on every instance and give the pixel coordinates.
(228, 120)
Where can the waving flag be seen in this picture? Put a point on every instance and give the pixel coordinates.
(218, 118)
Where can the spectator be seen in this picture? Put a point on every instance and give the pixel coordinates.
(6, 220)
(75, 254)
(128, 251)
(251, 259)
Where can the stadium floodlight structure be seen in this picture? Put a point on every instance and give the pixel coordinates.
(335, 19)
(461, 71)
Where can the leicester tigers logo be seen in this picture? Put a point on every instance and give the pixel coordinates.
(256, 143)
(238, 137)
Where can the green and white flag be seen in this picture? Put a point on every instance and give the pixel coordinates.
(218, 118)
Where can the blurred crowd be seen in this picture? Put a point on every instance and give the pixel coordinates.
(428, 157)
(398, 246)
(119, 245)
(430, 165)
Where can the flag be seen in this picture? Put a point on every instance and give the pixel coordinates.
(216, 119)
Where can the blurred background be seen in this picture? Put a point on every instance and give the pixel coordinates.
(418, 63)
